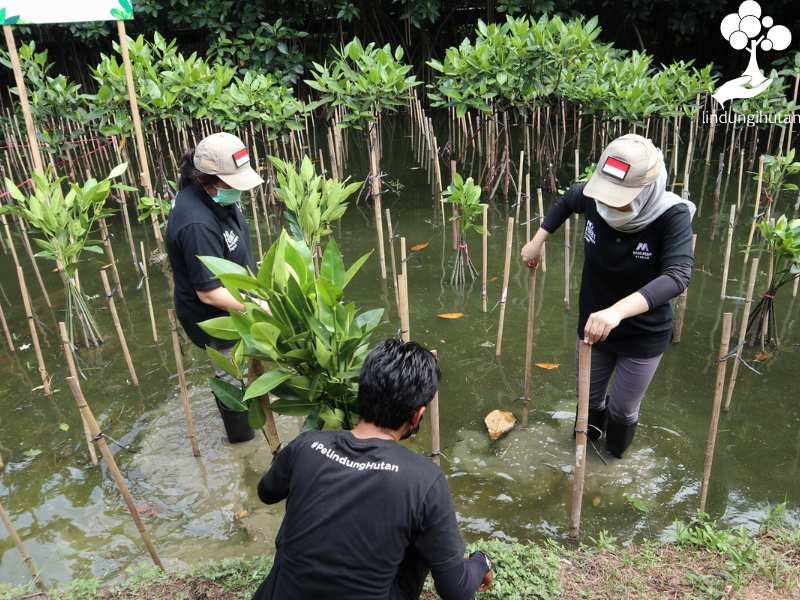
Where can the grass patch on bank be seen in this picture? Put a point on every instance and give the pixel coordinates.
(705, 562)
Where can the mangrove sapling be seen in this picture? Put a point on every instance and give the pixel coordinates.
(776, 169)
(465, 196)
(312, 341)
(65, 223)
(782, 243)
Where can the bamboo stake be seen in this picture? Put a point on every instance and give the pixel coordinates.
(728, 244)
(715, 408)
(73, 371)
(112, 307)
(402, 283)
(751, 284)
(7, 333)
(755, 210)
(110, 256)
(147, 292)
(34, 336)
(527, 206)
(26, 558)
(436, 446)
(392, 255)
(519, 184)
(526, 389)
(581, 429)
(680, 308)
(504, 295)
(270, 428)
(739, 185)
(108, 457)
(30, 130)
(485, 256)
(187, 410)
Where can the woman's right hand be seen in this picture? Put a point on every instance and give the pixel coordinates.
(532, 253)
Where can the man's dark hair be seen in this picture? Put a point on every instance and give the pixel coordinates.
(396, 379)
(191, 174)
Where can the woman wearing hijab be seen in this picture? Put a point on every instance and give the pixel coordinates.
(637, 257)
(206, 220)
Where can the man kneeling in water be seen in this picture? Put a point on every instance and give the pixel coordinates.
(366, 518)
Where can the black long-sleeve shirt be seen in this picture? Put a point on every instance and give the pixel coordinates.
(656, 261)
(355, 511)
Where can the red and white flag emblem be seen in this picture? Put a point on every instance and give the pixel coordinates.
(616, 168)
(241, 158)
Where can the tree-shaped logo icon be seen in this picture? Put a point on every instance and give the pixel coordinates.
(748, 29)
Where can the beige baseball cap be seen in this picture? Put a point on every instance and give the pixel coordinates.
(627, 165)
(225, 155)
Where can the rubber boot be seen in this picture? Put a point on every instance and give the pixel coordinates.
(597, 423)
(619, 436)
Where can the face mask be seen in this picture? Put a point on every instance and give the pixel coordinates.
(227, 196)
(411, 432)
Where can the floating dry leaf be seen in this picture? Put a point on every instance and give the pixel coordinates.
(450, 315)
(499, 423)
(596, 501)
(548, 366)
(240, 514)
(418, 247)
(761, 357)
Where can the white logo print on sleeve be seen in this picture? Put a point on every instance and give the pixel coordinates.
(231, 240)
(588, 233)
(642, 251)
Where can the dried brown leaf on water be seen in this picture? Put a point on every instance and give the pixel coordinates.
(761, 357)
(450, 315)
(240, 514)
(499, 422)
(418, 247)
(548, 366)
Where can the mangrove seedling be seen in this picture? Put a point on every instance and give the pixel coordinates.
(782, 242)
(312, 342)
(466, 196)
(150, 208)
(65, 223)
(776, 170)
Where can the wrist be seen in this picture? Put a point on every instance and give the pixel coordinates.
(484, 557)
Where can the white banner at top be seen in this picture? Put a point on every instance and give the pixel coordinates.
(25, 12)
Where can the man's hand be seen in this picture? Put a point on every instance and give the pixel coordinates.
(600, 324)
(487, 581)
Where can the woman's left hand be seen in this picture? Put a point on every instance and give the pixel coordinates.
(599, 325)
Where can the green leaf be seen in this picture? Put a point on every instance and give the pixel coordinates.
(332, 267)
(354, 268)
(222, 328)
(224, 362)
(266, 383)
(256, 416)
(117, 171)
(265, 338)
(220, 266)
(230, 395)
(293, 407)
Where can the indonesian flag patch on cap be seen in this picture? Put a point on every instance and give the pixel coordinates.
(615, 168)
(241, 158)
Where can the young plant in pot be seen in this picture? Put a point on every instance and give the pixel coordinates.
(307, 342)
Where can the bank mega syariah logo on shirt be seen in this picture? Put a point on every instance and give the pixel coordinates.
(747, 29)
(588, 233)
(642, 251)
(231, 240)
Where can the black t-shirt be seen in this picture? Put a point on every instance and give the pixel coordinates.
(354, 509)
(617, 264)
(198, 226)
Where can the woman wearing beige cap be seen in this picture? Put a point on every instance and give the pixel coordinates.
(638, 256)
(206, 220)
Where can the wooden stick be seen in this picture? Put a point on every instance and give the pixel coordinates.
(680, 308)
(541, 220)
(110, 256)
(7, 332)
(436, 447)
(484, 265)
(73, 371)
(715, 409)
(527, 206)
(454, 221)
(108, 457)
(526, 389)
(147, 292)
(728, 244)
(270, 428)
(187, 410)
(26, 558)
(402, 283)
(751, 284)
(519, 184)
(375, 189)
(581, 429)
(504, 295)
(392, 256)
(26, 301)
(567, 238)
(19, 79)
(112, 307)
(755, 210)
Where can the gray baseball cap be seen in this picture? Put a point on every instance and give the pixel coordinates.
(627, 165)
(225, 155)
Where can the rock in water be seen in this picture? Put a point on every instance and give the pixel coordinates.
(499, 423)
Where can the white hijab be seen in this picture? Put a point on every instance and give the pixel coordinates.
(652, 202)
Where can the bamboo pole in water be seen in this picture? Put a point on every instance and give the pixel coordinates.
(26, 558)
(728, 245)
(739, 185)
(26, 301)
(10, 340)
(436, 447)
(541, 220)
(680, 307)
(270, 428)
(581, 430)
(504, 294)
(454, 209)
(187, 410)
(755, 210)
(485, 256)
(112, 307)
(751, 284)
(73, 371)
(526, 388)
(527, 206)
(147, 292)
(375, 189)
(715, 407)
(110, 256)
(402, 284)
(108, 457)
(390, 231)
(519, 184)
(577, 164)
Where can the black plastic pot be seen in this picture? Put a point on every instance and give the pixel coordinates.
(236, 425)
